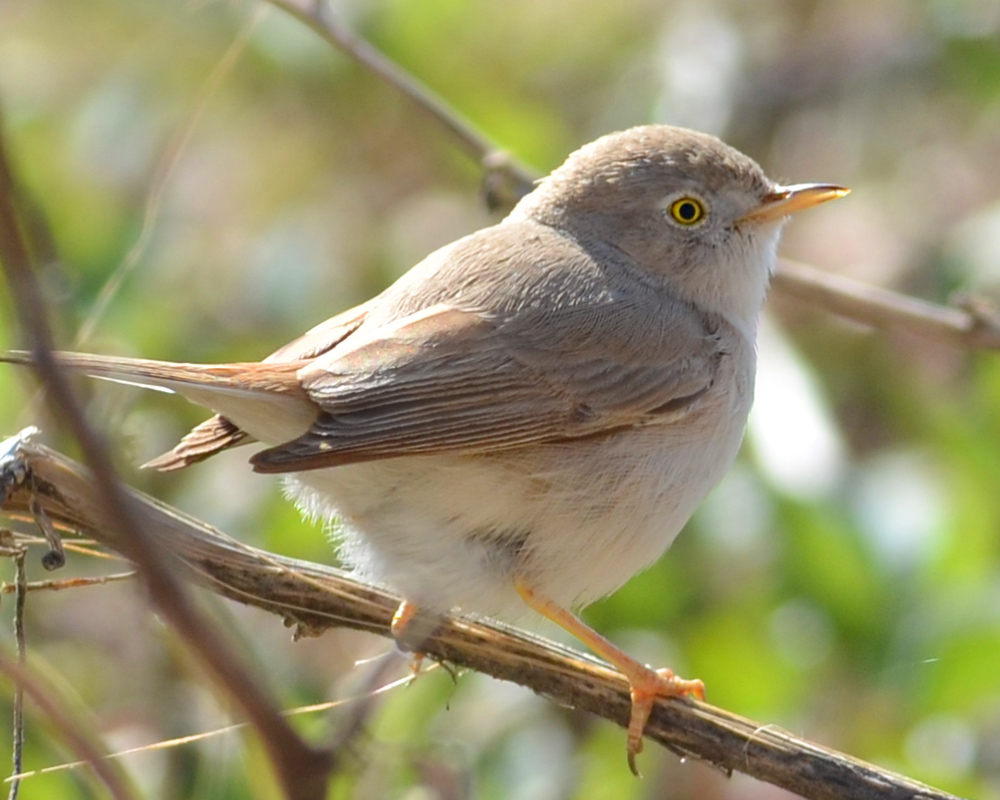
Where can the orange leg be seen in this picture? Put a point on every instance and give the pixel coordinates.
(400, 621)
(404, 616)
(645, 683)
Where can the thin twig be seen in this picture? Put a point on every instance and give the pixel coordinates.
(316, 598)
(20, 643)
(66, 583)
(973, 327)
(302, 770)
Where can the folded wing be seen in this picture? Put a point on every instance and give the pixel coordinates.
(445, 380)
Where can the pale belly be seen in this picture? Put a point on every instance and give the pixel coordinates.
(574, 521)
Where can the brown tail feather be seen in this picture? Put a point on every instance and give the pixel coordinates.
(210, 437)
(273, 378)
(259, 400)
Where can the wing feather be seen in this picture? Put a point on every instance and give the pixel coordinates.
(457, 381)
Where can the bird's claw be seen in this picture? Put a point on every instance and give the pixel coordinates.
(644, 691)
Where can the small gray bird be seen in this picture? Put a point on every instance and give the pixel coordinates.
(530, 415)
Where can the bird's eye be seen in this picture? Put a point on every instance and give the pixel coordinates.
(687, 210)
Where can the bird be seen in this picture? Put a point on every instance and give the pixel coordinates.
(530, 415)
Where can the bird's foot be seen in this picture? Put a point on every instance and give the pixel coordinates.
(645, 686)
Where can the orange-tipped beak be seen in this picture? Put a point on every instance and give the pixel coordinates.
(787, 200)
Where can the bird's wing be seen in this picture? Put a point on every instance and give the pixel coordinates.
(447, 380)
(219, 433)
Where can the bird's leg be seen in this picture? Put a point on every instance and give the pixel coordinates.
(402, 632)
(402, 618)
(645, 683)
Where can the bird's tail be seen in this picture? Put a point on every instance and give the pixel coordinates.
(264, 399)
(184, 379)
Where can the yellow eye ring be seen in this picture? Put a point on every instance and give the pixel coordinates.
(687, 210)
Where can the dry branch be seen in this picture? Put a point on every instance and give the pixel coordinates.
(976, 327)
(315, 597)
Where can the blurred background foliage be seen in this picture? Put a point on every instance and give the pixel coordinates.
(843, 582)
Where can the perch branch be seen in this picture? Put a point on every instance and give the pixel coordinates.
(314, 598)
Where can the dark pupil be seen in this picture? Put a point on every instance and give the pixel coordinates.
(687, 211)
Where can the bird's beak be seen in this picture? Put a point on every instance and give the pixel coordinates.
(786, 200)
